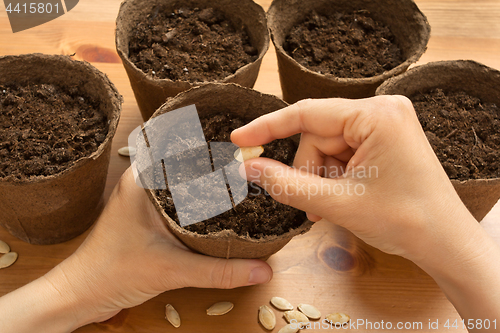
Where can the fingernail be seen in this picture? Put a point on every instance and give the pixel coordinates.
(313, 217)
(259, 275)
(250, 173)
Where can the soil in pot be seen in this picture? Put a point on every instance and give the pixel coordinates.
(194, 45)
(258, 214)
(46, 128)
(345, 44)
(463, 131)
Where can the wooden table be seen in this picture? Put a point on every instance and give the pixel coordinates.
(327, 267)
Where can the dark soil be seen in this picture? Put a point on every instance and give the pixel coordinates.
(347, 45)
(193, 45)
(44, 129)
(463, 131)
(258, 214)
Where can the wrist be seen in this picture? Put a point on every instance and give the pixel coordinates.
(75, 293)
(38, 306)
(79, 286)
(465, 265)
(446, 234)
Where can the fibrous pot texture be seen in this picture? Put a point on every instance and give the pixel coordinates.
(151, 92)
(247, 104)
(479, 195)
(402, 17)
(55, 208)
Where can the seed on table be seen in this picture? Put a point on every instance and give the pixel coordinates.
(127, 151)
(267, 317)
(246, 153)
(220, 308)
(309, 311)
(172, 316)
(338, 318)
(4, 247)
(8, 259)
(281, 303)
(289, 328)
(297, 317)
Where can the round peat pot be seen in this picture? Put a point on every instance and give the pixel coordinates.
(403, 18)
(477, 80)
(151, 92)
(49, 209)
(245, 104)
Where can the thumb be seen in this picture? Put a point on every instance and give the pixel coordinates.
(208, 272)
(293, 186)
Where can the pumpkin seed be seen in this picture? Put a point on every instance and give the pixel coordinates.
(4, 247)
(8, 259)
(127, 151)
(296, 316)
(338, 318)
(245, 153)
(289, 328)
(281, 303)
(309, 311)
(267, 317)
(220, 308)
(172, 316)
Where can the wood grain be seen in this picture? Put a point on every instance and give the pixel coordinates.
(328, 266)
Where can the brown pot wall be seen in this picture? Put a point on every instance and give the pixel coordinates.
(247, 104)
(56, 208)
(479, 195)
(150, 92)
(407, 23)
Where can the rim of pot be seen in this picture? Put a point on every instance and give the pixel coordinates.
(412, 56)
(113, 97)
(184, 99)
(469, 76)
(122, 42)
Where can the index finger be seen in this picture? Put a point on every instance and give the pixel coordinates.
(323, 117)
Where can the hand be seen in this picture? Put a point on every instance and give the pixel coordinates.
(390, 189)
(366, 165)
(128, 258)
